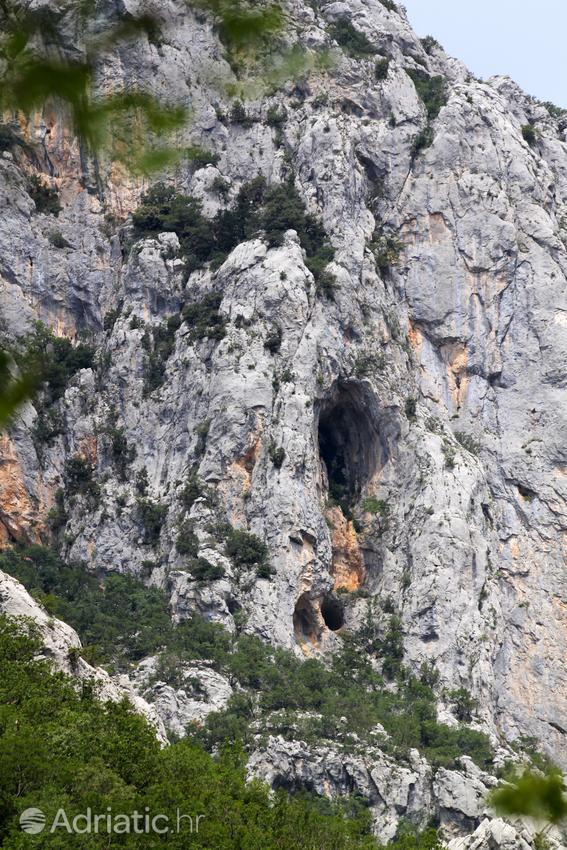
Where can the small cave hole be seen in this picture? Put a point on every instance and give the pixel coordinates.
(332, 613)
(305, 623)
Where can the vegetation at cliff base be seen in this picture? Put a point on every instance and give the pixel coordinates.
(62, 748)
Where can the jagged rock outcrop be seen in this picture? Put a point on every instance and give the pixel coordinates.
(437, 376)
(199, 691)
(393, 792)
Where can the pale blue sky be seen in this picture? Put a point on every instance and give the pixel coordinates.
(526, 40)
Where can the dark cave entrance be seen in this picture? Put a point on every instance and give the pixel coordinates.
(305, 623)
(349, 442)
(332, 613)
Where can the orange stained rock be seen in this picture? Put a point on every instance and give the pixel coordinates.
(347, 566)
(18, 514)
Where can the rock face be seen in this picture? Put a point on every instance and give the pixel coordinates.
(392, 791)
(436, 375)
(200, 691)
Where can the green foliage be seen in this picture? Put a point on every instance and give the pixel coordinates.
(381, 69)
(392, 649)
(152, 517)
(367, 364)
(123, 454)
(221, 187)
(410, 408)
(120, 620)
(533, 795)
(124, 621)
(47, 364)
(554, 111)
(159, 342)
(386, 250)
(46, 198)
(255, 208)
(239, 115)
(274, 340)
(163, 209)
(200, 157)
(375, 506)
(432, 91)
(280, 689)
(245, 27)
(531, 748)
(411, 840)
(422, 141)
(62, 748)
(468, 442)
(463, 704)
(530, 134)
(57, 239)
(276, 117)
(204, 317)
(247, 552)
(203, 571)
(15, 389)
(277, 455)
(354, 43)
(54, 359)
(187, 542)
(79, 478)
(430, 44)
(284, 210)
(193, 490)
(390, 5)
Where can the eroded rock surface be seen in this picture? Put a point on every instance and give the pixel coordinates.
(438, 383)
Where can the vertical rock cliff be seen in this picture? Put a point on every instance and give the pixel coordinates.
(393, 429)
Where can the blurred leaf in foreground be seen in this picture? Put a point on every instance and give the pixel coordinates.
(14, 389)
(538, 796)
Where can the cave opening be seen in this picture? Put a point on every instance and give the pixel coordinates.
(305, 623)
(333, 613)
(350, 446)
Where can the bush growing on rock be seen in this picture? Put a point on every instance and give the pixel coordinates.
(204, 317)
(354, 43)
(255, 208)
(246, 550)
(431, 90)
(203, 571)
(152, 517)
(46, 198)
(79, 478)
(422, 141)
(187, 542)
(530, 134)
(381, 69)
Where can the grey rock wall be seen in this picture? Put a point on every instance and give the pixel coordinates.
(470, 323)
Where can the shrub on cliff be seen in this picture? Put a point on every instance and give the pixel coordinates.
(354, 43)
(431, 90)
(45, 198)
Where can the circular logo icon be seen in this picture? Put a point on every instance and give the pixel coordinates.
(32, 821)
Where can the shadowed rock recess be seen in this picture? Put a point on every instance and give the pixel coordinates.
(364, 462)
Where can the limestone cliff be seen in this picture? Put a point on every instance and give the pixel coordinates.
(430, 388)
